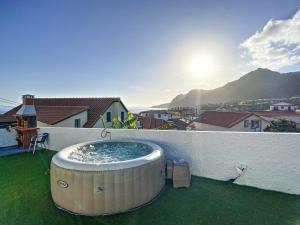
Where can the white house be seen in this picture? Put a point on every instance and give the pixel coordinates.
(280, 114)
(73, 112)
(228, 121)
(283, 106)
(161, 114)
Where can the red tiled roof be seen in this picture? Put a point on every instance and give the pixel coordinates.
(54, 114)
(96, 108)
(222, 119)
(179, 124)
(9, 115)
(277, 113)
(152, 123)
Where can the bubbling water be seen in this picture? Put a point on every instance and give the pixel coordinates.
(107, 152)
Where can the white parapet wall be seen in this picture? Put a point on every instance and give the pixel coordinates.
(272, 159)
(7, 137)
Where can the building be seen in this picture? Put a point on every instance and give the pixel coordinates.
(178, 124)
(161, 114)
(280, 114)
(229, 121)
(283, 106)
(151, 123)
(72, 112)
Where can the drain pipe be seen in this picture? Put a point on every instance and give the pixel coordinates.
(104, 132)
(240, 170)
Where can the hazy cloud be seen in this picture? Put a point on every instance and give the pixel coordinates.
(277, 45)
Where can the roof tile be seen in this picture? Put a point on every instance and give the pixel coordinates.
(222, 119)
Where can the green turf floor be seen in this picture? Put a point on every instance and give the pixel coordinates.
(25, 199)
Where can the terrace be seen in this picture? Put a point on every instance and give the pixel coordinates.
(26, 199)
(272, 164)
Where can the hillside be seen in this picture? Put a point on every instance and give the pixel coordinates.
(164, 105)
(258, 84)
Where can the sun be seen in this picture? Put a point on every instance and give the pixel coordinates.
(200, 66)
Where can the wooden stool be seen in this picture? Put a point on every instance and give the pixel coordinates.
(181, 174)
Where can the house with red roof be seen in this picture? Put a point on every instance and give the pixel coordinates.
(161, 124)
(72, 112)
(151, 123)
(280, 114)
(229, 121)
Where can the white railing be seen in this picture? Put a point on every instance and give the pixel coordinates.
(272, 159)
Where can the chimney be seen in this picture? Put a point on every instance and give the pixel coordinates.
(26, 121)
(28, 108)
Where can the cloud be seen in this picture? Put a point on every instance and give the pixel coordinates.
(277, 45)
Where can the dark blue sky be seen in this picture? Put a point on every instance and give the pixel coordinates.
(131, 49)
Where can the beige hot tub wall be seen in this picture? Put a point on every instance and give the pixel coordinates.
(122, 189)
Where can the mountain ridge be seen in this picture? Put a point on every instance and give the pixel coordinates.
(257, 84)
(163, 105)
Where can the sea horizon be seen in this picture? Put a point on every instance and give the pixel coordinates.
(138, 109)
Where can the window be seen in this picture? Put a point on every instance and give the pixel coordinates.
(122, 116)
(108, 117)
(246, 123)
(77, 123)
(254, 124)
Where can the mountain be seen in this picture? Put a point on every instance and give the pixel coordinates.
(258, 84)
(164, 105)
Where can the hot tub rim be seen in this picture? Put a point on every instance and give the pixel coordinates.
(61, 158)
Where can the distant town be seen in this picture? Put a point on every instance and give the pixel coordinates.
(249, 116)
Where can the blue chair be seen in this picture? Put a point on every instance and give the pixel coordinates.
(39, 139)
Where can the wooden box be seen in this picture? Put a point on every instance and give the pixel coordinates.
(181, 174)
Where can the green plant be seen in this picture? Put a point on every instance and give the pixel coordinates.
(282, 125)
(165, 126)
(102, 121)
(129, 123)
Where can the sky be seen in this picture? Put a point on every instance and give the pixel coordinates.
(145, 52)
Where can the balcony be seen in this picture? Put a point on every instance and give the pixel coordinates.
(267, 193)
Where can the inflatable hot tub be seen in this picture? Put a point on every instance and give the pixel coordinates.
(107, 177)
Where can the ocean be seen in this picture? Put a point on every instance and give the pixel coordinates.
(138, 109)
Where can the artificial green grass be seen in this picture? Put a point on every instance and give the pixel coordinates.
(25, 199)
